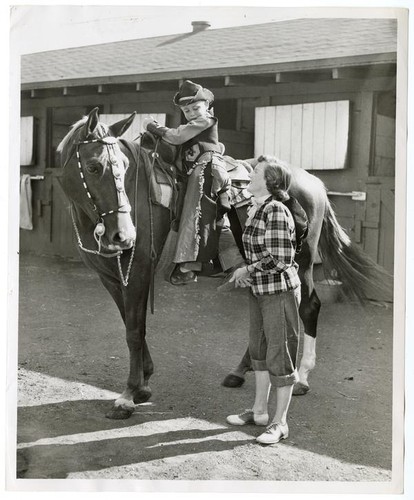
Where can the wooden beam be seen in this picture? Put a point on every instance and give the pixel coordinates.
(379, 70)
(303, 76)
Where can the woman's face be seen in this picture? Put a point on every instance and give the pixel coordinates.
(258, 184)
(194, 110)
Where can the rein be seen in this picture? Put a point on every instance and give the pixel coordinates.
(153, 252)
(123, 207)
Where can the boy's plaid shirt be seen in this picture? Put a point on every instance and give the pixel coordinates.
(269, 242)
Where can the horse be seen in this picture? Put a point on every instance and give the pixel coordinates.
(327, 242)
(107, 178)
(120, 232)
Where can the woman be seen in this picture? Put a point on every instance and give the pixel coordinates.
(269, 242)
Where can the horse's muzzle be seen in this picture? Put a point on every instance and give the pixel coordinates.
(121, 240)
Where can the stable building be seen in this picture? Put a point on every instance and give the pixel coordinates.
(317, 93)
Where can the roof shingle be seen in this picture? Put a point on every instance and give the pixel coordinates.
(238, 48)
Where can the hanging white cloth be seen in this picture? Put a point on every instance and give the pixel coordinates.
(25, 202)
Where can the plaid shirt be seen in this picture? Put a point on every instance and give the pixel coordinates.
(269, 242)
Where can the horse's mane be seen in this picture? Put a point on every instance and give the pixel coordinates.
(69, 139)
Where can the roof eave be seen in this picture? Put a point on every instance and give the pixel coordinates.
(307, 65)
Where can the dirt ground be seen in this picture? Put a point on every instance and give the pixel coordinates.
(73, 361)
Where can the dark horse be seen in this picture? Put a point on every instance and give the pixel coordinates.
(106, 180)
(121, 234)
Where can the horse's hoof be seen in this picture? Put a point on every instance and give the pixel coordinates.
(119, 413)
(300, 389)
(142, 396)
(232, 380)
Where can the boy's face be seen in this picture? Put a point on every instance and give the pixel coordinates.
(194, 110)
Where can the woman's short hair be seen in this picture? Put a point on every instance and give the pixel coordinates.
(278, 176)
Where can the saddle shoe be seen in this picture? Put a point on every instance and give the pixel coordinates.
(248, 417)
(274, 433)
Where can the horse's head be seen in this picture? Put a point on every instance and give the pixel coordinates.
(93, 178)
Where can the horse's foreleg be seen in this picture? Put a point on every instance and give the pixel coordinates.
(143, 393)
(140, 363)
(137, 389)
(309, 312)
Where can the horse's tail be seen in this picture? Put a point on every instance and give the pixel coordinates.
(362, 278)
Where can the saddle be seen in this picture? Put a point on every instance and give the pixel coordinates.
(167, 172)
(164, 172)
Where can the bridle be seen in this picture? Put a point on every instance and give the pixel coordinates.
(123, 202)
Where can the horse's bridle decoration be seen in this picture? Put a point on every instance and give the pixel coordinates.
(123, 204)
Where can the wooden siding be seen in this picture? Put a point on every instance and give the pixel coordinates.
(239, 143)
(313, 136)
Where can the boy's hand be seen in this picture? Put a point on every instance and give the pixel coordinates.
(147, 121)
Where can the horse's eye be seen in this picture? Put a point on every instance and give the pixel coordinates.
(92, 169)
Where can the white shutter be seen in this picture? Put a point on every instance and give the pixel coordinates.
(136, 127)
(313, 136)
(26, 140)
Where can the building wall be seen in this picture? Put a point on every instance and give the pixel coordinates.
(235, 108)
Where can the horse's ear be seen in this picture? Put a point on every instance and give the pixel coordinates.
(92, 122)
(119, 128)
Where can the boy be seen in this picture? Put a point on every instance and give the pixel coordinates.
(201, 153)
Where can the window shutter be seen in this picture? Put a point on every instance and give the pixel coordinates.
(136, 127)
(27, 141)
(313, 136)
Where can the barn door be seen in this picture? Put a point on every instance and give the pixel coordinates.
(375, 219)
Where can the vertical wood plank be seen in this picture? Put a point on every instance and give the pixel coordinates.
(318, 135)
(259, 127)
(329, 138)
(269, 130)
(286, 133)
(307, 136)
(296, 135)
(278, 125)
(342, 133)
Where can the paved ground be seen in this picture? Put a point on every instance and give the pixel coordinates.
(73, 363)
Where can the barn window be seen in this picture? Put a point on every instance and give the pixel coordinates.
(313, 136)
(136, 127)
(27, 141)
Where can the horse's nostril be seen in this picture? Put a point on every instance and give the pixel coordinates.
(123, 237)
(119, 237)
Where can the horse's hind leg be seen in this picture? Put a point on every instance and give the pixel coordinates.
(236, 377)
(309, 312)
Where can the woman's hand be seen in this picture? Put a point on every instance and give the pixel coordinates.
(242, 278)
